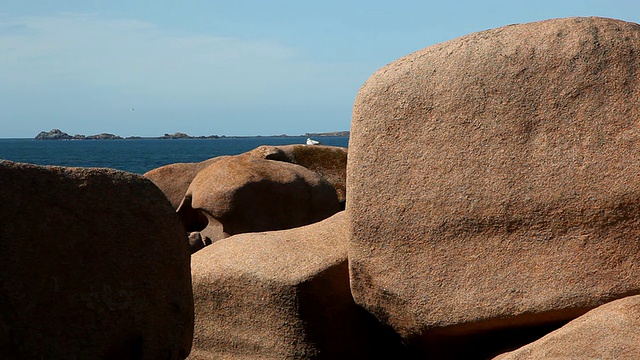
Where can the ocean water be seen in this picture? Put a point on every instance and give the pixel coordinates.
(140, 155)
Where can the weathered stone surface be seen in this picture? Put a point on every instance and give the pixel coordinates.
(243, 193)
(493, 179)
(282, 295)
(174, 179)
(328, 161)
(611, 331)
(93, 265)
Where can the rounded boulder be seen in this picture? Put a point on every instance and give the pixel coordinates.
(492, 180)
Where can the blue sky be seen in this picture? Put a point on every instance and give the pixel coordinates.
(234, 67)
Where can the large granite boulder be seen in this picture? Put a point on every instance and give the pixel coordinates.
(282, 295)
(492, 180)
(328, 161)
(93, 265)
(611, 331)
(174, 179)
(244, 193)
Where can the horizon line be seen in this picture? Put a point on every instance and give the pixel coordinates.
(177, 134)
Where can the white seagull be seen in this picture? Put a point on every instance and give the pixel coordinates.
(310, 141)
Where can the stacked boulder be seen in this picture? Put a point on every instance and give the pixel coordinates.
(275, 281)
(269, 188)
(492, 184)
(283, 295)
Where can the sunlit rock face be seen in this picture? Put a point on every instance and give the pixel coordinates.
(290, 189)
(283, 295)
(244, 193)
(492, 180)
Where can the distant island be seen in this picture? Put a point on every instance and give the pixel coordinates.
(57, 134)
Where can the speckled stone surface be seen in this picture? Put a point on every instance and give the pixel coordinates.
(328, 161)
(493, 180)
(246, 193)
(282, 295)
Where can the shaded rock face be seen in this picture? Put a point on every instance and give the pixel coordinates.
(611, 331)
(174, 179)
(93, 265)
(493, 180)
(243, 193)
(283, 295)
(328, 161)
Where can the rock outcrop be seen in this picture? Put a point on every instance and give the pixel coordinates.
(493, 181)
(611, 331)
(283, 295)
(93, 265)
(243, 193)
(330, 162)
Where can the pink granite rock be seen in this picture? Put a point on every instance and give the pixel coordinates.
(611, 331)
(328, 161)
(492, 180)
(244, 193)
(174, 179)
(282, 295)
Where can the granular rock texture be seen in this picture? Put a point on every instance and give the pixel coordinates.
(328, 161)
(611, 331)
(282, 295)
(93, 265)
(243, 193)
(493, 179)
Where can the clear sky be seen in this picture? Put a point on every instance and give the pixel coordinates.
(233, 67)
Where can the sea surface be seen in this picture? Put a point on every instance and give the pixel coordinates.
(140, 155)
